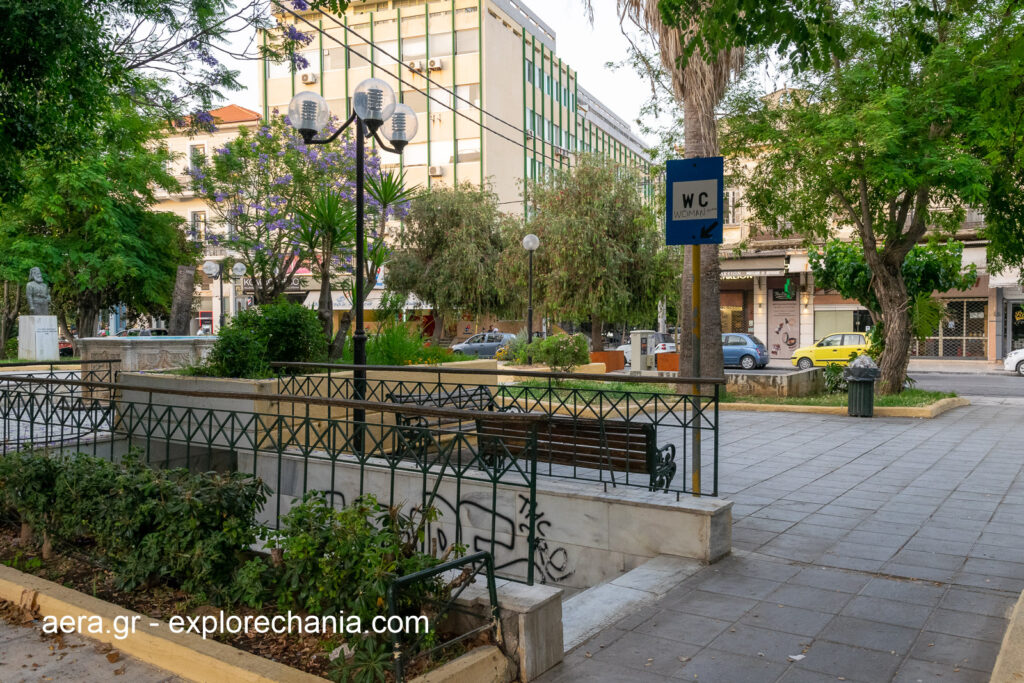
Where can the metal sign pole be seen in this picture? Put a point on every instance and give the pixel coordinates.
(695, 342)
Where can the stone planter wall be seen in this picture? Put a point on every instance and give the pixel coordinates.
(147, 353)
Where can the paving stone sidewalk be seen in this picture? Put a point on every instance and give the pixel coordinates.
(867, 550)
(27, 657)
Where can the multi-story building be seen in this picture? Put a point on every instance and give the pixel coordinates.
(768, 290)
(494, 55)
(198, 217)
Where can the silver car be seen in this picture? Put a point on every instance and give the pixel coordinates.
(485, 344)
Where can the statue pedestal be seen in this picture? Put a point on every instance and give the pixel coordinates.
(37, 337)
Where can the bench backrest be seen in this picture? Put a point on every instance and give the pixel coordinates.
(599, 444)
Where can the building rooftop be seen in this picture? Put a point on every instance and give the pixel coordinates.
(233, 113)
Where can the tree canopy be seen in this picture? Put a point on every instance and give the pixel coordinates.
(894, 140)
(600, 255)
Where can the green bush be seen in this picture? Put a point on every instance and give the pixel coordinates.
(396, 344)
(11, 348)
(147, 526)
(561, 352)
(344, 560)
(835, 383)
(281, 332)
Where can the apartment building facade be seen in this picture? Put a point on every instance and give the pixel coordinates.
(199, 219)
(768, 290)
(495, 55)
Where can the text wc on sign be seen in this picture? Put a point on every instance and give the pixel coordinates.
(693, 201)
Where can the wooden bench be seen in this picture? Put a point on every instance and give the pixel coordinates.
(609, 445)
(414, 431)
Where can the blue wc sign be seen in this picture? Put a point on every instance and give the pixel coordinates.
(693, 200)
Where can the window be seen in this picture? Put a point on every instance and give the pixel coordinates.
(440, 44)
(467, 92)
(468, 150)
(529, 71)
(961, 334)
(278, 69)
(528, 119)
(440, 99)
(195, 154)
(198, 227)
(853, 339)
(834, 340)
(414, 48)
(335, 59)
(312, 58)
(359, 55)
(415, 155)
(729, 206)
(389, 47)
(466, 41)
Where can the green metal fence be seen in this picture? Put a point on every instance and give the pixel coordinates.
(662, 438)
(299, 444)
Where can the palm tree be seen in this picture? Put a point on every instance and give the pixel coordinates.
(699, 85)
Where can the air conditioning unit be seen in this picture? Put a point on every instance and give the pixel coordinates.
(309, 78)
(435, 64)
(561, 152)
(435, 171)
(530, 134)
(415, 65)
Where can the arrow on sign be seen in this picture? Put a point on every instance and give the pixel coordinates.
(708, 230)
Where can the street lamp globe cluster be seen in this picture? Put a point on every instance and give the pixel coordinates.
(375, 111)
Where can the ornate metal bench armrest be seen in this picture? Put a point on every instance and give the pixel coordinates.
(662, 466)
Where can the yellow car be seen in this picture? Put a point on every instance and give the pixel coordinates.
(835, 348)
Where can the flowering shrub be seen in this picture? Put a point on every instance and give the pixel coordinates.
(561, 352)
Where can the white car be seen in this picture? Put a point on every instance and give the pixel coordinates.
(665, 347)
(1014, 362)
(626, 349)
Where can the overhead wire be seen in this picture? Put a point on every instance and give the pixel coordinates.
(403, 81)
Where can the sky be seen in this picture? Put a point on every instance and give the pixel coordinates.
(584, 47)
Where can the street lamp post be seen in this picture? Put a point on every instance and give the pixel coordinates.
(530, 244)
(374, 107)
(215, 269)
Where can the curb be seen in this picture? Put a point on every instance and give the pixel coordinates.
(1010, 662)
(479, 664)
(933, 410)
(183, 654)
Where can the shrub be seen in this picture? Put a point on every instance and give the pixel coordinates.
(835, 383)
(146, 525)
(11, 348)
(561, 352)
(398, 345)
(281, 332)
(344, 560)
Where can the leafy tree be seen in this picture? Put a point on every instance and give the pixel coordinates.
(257, 184)
(698, 82)
(896, 126)
(600, 256)
(928, 268)
(86, 221)
(447, 256)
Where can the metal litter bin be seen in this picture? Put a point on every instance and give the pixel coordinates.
(860, 377)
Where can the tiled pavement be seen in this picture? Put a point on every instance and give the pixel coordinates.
(880, 550)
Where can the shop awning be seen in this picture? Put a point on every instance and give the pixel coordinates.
(341, 302)
(753, 266)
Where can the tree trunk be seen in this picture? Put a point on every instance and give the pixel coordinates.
(891, 291)
(325, 308)
(596, 333)
(438, 327)
(338, 345)
(88, 314)
(701, 140)
(8, 315)
(26, 534)
(181, 304)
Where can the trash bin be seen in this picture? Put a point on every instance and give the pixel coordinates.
(860, 377)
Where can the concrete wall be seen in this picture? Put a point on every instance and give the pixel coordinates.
(147, 353)
(797, 383)
(584, 534)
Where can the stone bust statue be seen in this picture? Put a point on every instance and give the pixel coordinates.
(37, 293)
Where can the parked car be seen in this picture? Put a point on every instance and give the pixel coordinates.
(743, 350)
(835, 348)
(661, 342)
(143, 332)
(485, 344)
(1014, 362)
(65, 347)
